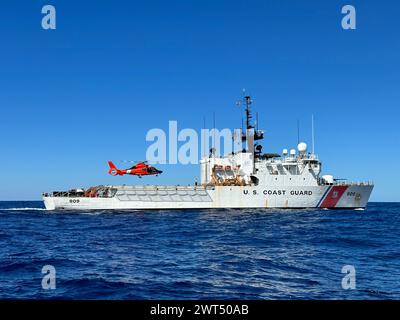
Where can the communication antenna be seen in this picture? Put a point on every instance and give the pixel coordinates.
(205, 151)
(233, 141)
(214, 131)
(312, 132)
(204, 137)
(298, 131)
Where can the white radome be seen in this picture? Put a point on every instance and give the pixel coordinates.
(285, 152)
(302, 147)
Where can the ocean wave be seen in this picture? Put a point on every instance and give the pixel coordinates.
(199, 254)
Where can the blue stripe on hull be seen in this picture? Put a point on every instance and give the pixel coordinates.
(323, 196)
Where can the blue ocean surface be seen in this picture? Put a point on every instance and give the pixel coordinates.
(200, 254)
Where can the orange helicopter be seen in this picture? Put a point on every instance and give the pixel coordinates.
(139, 169)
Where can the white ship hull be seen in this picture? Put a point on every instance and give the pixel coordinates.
(171, 197)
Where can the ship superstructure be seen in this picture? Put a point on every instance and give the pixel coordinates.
(248, 178)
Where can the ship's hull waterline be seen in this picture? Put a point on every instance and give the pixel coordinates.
(350, 196)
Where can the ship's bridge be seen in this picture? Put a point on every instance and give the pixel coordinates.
(292, 168)
(289, 169)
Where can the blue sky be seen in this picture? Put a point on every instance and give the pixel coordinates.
(88, 92)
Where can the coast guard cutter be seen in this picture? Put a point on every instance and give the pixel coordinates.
(244, 179)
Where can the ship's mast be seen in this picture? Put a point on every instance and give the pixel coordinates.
(248, 102)
(251, 134)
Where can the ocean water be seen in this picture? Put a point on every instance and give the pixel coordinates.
(207, 254)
